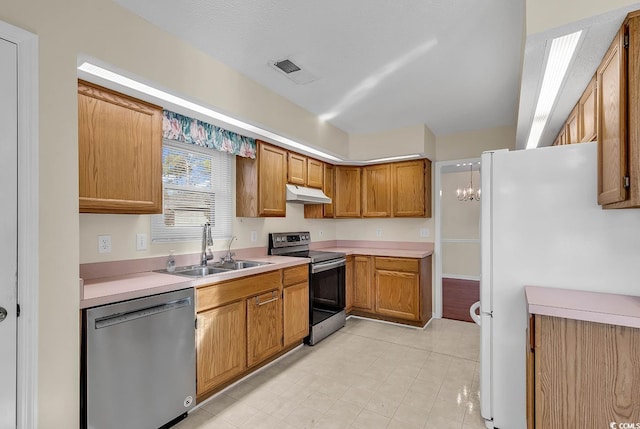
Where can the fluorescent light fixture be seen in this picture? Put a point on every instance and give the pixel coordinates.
(146, 89)
(560, 55)
(393, 158)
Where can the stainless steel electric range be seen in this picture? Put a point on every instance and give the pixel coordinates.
(326, 282)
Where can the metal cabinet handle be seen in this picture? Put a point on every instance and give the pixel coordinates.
(274, 298)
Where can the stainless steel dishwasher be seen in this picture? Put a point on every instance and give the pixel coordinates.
(139, 364)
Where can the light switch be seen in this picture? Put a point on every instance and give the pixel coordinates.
(141, 242)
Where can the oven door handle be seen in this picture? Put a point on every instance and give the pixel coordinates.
(318, 268)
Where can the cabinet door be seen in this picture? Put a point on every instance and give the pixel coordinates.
(297, 169)
(264, 326)
(362, 296)
(572, 128)
(587, 113)
(398, 294)
(612, 131)
(349, 287)
(328, 188)
(562, 136)
(411, 188)
(272, 178)
(296, 312)
(220, 346)
(119, 152)
(347, 187)
(314, 173)
(376, 191)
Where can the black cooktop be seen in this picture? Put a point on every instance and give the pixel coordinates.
(316, 255)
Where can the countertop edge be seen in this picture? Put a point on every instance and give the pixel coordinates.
(373, 251)
(584, 305)
(109, 290)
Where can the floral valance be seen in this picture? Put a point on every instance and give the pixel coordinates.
(189, 130)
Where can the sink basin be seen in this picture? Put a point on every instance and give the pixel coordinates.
(239, 265)
(195, 271)
(219, 267)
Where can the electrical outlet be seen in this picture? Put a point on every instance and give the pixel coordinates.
(424, 232)
(320, 233)
(254, 236)
(104, 244)
(141, 242)
(378, 232)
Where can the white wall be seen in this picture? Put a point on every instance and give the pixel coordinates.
(543, 15)
(400, 141)
(472, 144)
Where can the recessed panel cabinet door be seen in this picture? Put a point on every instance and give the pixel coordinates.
(272, 179)
(397, 294)
(119, 152)
(314, 173)
(612, 130)
(221, 336)
(347, 187)
(376, 191)
(264, 326)
(588, 113)
(412, 188)
(297, 169)
(296, 312)
(362, 287)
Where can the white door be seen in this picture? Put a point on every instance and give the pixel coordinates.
(8, 231)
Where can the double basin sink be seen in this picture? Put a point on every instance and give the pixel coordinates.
(207, 270)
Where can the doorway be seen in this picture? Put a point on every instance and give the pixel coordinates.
(8, 232)
(457, 238)
(19, 227)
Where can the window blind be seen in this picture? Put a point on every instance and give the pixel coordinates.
(197, 188)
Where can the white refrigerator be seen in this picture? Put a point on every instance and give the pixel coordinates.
(541, 225)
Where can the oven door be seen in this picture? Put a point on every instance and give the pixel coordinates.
(327, 285)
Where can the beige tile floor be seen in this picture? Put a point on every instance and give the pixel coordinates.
(368, 375)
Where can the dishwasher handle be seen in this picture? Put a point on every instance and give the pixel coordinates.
(115, 319)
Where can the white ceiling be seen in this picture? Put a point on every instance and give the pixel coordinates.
(453, 65)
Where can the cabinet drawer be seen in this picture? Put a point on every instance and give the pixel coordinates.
(295, 275)
(215, 295)
(398, 264)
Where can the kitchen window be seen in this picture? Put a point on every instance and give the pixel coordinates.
(197, 188)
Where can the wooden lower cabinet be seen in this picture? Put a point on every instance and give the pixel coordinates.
(264, 326)
(583, 374)
(221, 342)
(296, 312)
(244, 323)
(397, 294)
(362, 291)
(395, 289)
(349, 280)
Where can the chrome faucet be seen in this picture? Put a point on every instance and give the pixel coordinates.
(229, 256)
(207, 240)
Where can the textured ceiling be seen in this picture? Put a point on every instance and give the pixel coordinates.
(453, 65)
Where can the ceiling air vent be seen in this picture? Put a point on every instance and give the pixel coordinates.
(293, 71)
(287, 66)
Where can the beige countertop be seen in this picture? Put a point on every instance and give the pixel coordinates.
(107, 290)
(612, 309)
(374, 251)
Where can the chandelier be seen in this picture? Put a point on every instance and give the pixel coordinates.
(469, 193)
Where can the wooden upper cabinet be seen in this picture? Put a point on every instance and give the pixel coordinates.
(573, 128)
(587, 113)
(411, 195)
(376, 190)
(297, 169)
(329, 190)
(315, 173)
(347, 188)
(119, 152)
(612, 131)
(260, 183)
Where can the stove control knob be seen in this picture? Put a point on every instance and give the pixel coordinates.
(307, 237)
(278, 239)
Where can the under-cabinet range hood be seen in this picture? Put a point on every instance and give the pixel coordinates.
(304, 195)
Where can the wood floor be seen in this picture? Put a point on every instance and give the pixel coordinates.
(457, 297)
